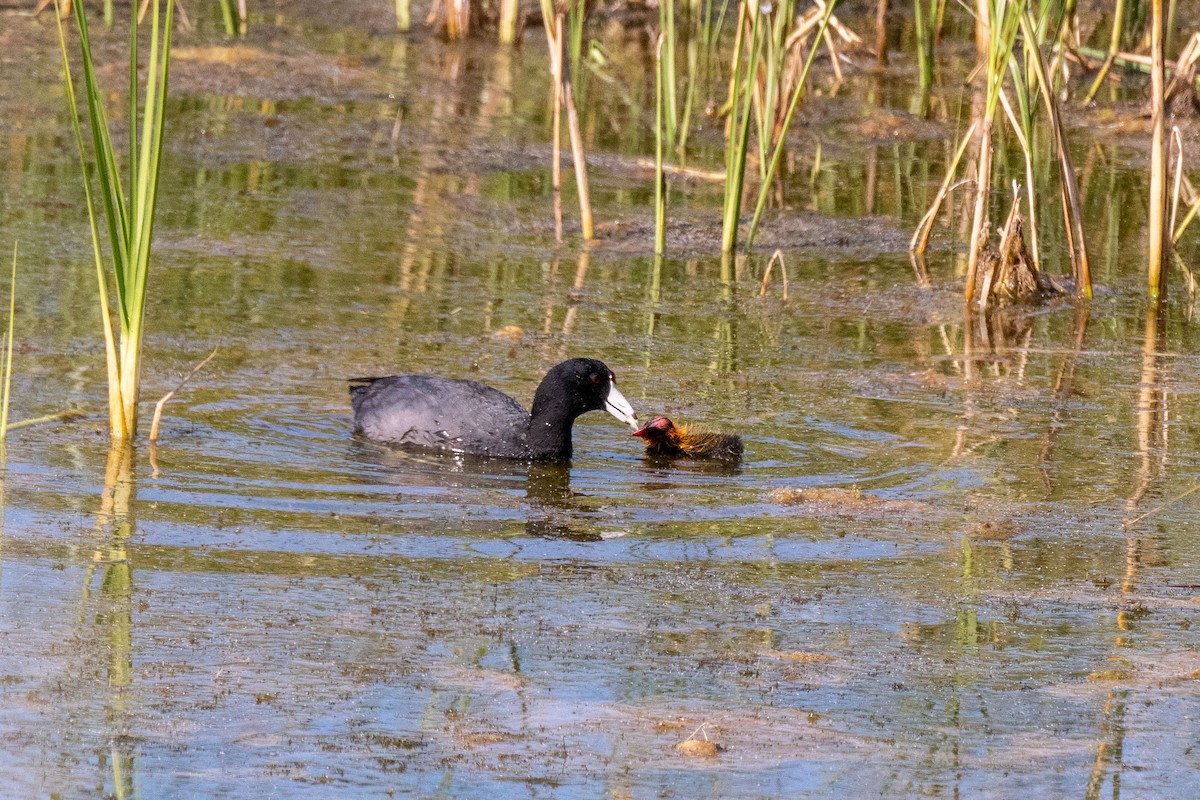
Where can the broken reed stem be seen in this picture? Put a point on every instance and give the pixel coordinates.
(1189, 197)
(979, 219)
(57, 416)
(1162, 507)
(1027, 152)
(920, 239)
(6, 370)
(1177, 147)
(158, 407)
(776, 256)
(509, 12)
(554, 23)
(1157, 276)
(660, 202)
(1081, 269)
(581, 178)
(554, 44)
(1114, 46)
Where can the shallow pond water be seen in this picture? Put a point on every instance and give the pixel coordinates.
(262, 606)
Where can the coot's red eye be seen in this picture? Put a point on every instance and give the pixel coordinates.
(595, 379)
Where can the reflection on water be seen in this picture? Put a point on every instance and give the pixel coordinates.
(317, 616)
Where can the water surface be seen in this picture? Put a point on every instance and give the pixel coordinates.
(263, 606)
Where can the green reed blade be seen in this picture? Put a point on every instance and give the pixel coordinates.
(129, 218)
(777, 154)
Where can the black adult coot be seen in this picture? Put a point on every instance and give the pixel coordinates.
(470, 417)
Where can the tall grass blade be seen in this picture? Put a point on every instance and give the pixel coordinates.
(1072, 202)
(227, 17)
(920, 239)
(781, 136)
(129, 211)
(742, 88)
(1156, 274)
(997, 31)
(660, 202)
(924, 25)
(666, 58)
(6, 370)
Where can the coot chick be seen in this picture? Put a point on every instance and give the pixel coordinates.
(470, 417)
(665, 438)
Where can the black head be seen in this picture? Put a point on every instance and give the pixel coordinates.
(572, 388)
(581, 384)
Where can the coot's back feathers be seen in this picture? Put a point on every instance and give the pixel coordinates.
(430, 411)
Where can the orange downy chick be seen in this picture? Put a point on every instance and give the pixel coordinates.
(666, 439)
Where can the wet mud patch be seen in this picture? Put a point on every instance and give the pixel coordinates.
(844, 502)
(269, 73)
(691, 231)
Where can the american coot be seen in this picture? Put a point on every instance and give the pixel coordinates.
(665, 438)
(469, 417)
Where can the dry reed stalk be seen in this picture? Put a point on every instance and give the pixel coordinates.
(979, 218)
(1177, 187)
(564, 96)
(1031, 196)
(833, 57)
(581, 179)
(1156, 274)
(1072, 203)
(1161, 507)
(509, 13)
(881, 53)
(1190, 198)
(554, 44)
(1180, 95)
(184, 22)
(1114, 46)
(158, 407)
(69, 415)
(455, 15)
(776, 256)
(920, 239)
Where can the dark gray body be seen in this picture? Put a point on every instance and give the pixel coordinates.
(469, 417)
(444, 413)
